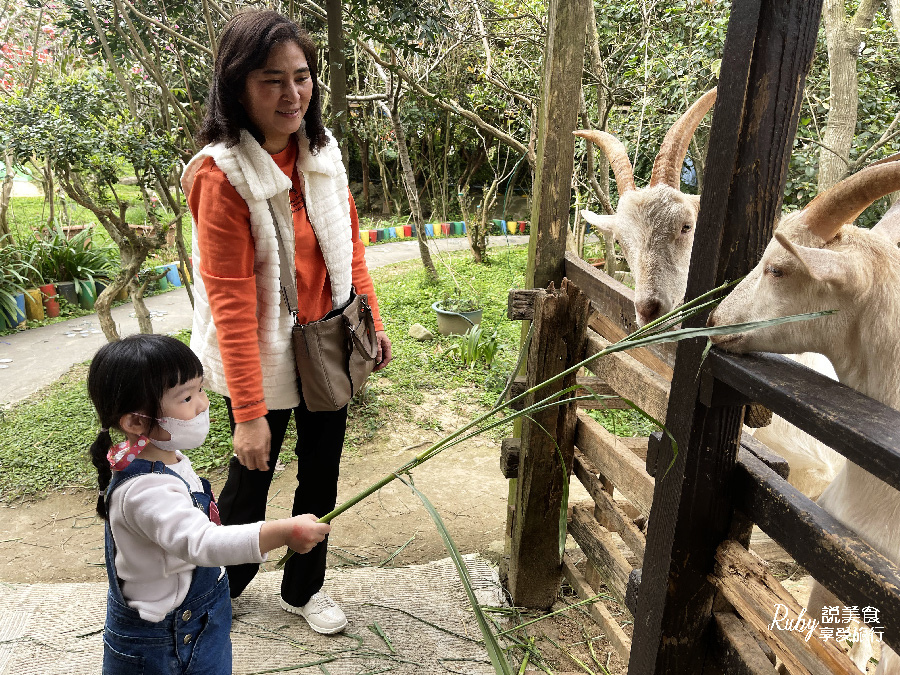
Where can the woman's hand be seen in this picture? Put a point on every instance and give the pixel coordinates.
(383, 357)
(252, 443)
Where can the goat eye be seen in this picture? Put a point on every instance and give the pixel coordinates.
(686, 228)
(774, 271)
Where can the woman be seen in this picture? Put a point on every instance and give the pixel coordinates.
(270, 160)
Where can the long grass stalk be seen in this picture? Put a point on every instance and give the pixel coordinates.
(652, 333)
(495, 652)
(586, 601)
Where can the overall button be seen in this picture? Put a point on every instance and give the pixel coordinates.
(186, 616)
(187, 639)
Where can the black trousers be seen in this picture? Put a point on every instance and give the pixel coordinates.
(320, 439)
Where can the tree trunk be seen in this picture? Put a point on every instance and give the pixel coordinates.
(385, 188)
(50, 195)
(599, 177)
(337, 73)
(412, 192)
(6, 193)
(843, 37)
(363, 145)
(446, 184)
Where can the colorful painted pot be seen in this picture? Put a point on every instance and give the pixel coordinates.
(51, 306)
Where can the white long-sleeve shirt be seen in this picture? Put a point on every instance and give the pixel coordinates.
(161, 537)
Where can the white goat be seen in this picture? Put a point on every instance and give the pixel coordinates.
(655, 227)
(816, 262)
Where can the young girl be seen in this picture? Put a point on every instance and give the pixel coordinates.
(168, 608)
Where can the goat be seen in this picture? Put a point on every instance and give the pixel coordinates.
(655, 227)
(816, 261)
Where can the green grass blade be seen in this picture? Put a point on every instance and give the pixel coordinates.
(495, 652)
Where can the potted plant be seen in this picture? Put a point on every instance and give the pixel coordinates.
(457, 314)
(12, 284)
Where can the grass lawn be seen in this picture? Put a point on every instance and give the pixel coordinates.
(44, 440)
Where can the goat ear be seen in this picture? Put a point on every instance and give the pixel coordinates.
(820, 263)
(889, 225)
(606, 225)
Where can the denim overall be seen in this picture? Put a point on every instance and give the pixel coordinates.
(192, 639)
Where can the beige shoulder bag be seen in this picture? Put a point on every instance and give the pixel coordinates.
(335, 354)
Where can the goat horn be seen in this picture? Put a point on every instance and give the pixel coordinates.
(842, 203)
(668, 162)
(617, 155)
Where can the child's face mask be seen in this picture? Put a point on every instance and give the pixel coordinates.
(186, 434)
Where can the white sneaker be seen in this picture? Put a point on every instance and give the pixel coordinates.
(321, 613)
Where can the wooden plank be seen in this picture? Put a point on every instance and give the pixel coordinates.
(629, 378)
(614, 303)
(831, 552)
(761, 451)
(756, 595)
(596, 384)
(864, 430)
(614, 633)
(736, 649)
(615, 461)
(598, 545)
(768, 49)
(509, 457)
(520, 303)
(614, 518)
(559, 338)
(555, 152)
(631, 591)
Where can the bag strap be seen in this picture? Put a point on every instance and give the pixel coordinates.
(289, 286)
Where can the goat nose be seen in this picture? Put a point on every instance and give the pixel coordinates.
(647, 309)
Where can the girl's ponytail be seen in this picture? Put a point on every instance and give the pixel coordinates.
(99, 450)
(130, 376)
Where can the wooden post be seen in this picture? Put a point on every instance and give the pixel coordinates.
(557, 119)
(560, 319)
(768, 50)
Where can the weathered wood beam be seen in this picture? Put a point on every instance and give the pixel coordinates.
(756, 595)
(590, 385)
(864, 430)
(629, 378)
(555, 153)
(601, 551)
(614, 518)
(520, 307)
(560, 325)
(736, 649)
(768, 50)
(509, 457)
(614, 303)
(615, 461)
(614, 633)
(831, 552)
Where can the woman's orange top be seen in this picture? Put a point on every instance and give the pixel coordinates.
(226, 265)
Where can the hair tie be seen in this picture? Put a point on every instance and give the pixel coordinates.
(104, 430)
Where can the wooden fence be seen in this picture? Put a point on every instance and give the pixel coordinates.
(618, 473)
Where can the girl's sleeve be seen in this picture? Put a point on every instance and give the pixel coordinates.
(184, 531)
(226, 265)
(362, 280)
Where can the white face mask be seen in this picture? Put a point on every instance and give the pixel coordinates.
(186, 434)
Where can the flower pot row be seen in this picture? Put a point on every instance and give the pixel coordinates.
(36, 304)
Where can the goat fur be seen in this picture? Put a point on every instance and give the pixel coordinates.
(858, 272)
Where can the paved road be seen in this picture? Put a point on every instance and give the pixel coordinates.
(39, 356)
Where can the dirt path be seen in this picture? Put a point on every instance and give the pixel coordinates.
(59, 538)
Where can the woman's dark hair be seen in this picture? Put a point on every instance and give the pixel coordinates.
(244, 45)
(129, 376)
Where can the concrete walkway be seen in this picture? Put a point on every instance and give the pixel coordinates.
(39, 356)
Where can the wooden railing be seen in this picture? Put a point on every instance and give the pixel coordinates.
(618, 474)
